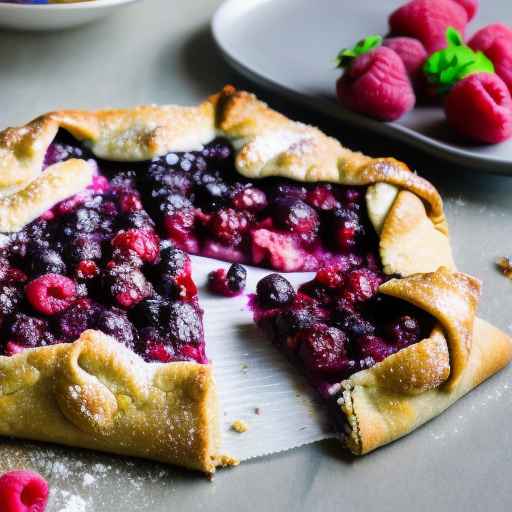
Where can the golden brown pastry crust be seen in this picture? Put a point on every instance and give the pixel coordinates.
(95, 393)
(376, 416)
(84, 394)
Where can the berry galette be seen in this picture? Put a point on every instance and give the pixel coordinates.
(101, 331)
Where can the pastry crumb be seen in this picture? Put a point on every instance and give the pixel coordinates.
(240, 426)
(257, 411)
(505, 264)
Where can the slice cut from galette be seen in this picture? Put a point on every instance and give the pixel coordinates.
(101, 330)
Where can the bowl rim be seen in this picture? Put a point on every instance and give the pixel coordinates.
(85, 5)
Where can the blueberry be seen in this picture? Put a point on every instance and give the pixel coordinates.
(27, 330)
(174, 202)
(294, 319)
(217, 151)
(175, 181)
(137, 219)
(81, 315)
(274, 290)
(352, 323)
(83, 248)
(149, 312)
(287, 190)
(236, 277)
(124, 179)
(83, 220)
(10, 298)
(115, 323)
(173, 262)
(47, 261)
(184, 323)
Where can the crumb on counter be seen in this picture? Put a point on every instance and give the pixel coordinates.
(505, 264)
(257, 411)
(240, 426)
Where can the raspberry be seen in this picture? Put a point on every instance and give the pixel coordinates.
(129, 202)
(12, 348)
(280, 250)
(23, 491)
(329, 277)
(374, 348)
(322, 349)
(376, 84)
(228, 225)
(321, 197)
(470, 6)
(15, 275)
(127, 285)
(295, 215)
(411, 51)
(159, 352)
(145, 243)
(427, 20)
(500, 53)
(87, 269)
(486, 36)
(51, 293)
(363, 283)
(179, 227)
(480, 108)
(251, 199)
(190, 352)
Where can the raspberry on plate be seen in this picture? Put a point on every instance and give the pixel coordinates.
(471, 7)
(480, 108)
(427, 20)
(486, 36)
(376, 84)
(411, 51)
(500, 53)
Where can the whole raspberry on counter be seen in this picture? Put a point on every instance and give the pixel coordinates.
(23, 491)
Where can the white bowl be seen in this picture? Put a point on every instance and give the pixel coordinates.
(56, 16)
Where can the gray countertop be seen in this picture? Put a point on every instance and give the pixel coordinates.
(158, 51)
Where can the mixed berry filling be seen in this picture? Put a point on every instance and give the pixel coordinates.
(336, 324)
(96, 261)
(115, 257)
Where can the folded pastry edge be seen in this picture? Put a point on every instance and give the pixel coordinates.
(376, 417)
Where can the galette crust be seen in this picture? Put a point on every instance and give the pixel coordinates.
(94, 393)
(377, 416)
(417, 383)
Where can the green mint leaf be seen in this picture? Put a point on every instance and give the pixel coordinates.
(347, 55)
